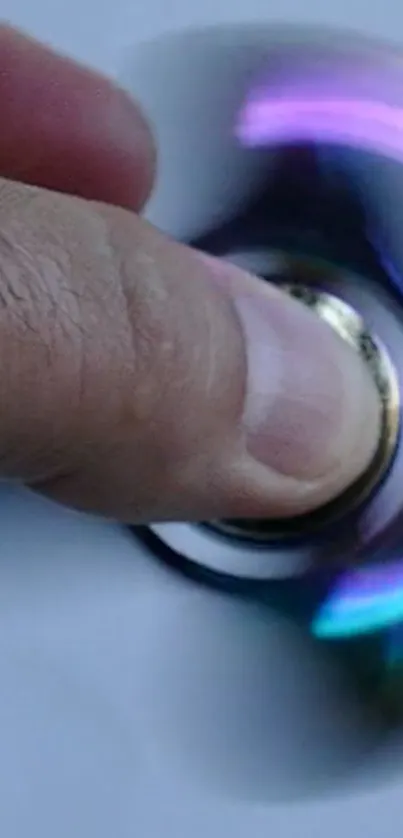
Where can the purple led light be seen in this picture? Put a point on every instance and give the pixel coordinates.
(369, 581)
(370, 125)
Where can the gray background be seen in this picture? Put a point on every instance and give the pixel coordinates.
(132, 703)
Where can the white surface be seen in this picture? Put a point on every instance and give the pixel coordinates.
(119, 714)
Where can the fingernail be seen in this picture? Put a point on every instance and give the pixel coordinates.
(311, 408)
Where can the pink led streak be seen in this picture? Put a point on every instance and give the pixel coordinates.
(370, 125)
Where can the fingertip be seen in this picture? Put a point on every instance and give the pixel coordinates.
(312, 411)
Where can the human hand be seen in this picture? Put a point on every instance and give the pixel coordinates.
(138, 378)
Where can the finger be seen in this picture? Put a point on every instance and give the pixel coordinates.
(142, 380)
(67, 128)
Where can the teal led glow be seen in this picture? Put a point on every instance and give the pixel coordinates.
(363, 601)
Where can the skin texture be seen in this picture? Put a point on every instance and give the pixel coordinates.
(138, 378)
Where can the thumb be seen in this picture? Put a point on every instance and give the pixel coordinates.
(144, 381)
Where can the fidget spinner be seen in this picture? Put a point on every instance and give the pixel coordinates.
(327, 227)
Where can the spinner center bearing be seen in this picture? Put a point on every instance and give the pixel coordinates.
(355, 526)
(350, 326)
